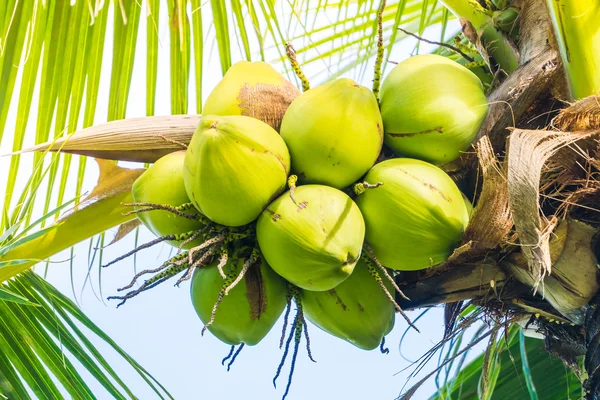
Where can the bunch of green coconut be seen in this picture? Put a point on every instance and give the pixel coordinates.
(285, 196)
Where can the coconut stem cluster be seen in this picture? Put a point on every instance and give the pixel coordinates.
(280, 200)
(291, 54)
(298, 327)
(380, 50)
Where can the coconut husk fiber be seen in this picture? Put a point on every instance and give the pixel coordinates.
(267, 102)
(523, 196)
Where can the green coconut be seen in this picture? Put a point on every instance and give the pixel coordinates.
(234, 167)
(500, 4)
(507, 19)
(253, 89)
(315, 241)
(334, 133)
(162, 183)
(356, 310)
(250, 309)
(432, 108)
(416, 218)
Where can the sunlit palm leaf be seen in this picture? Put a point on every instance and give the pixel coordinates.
(7, 295)
(43, 347)
(45, 340)
(102, 209)
(514, 378)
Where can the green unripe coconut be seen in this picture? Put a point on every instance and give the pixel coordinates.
(500, 4)
(356, 310)
(416, 218)
(334, 133)
(234, 167)
(253, 89)
(250, 309)
(506, 19)
(314, 242)
(162, 183)
(432, 108)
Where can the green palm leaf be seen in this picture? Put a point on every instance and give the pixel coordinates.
(7, 295)
(523, 370)
(44, 347)
(46, 341)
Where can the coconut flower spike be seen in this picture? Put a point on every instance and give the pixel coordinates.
(179, 211)
(176, 260)
(285, 353)
(374, 260)
(204, 258)
(362, 187)
(291, 54)
(297, 339)
(151, 283)
(254, 257)
(227, 284)
(375, 275)
(176, 237)
(213, 241)
(298, 328)
(292, 180)
(289, 296)
(235, 355)
(303, 323)
(382, 348)
(229, 355)
(224, 256)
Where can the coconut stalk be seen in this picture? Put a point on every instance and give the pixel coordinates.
(470, 281)
(575, 24)
(494, 42)
(574, 278)
(563, 295)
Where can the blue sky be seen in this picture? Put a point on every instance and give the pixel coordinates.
(160, 328)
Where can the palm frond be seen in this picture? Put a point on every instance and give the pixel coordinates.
(98, 212)
(522, 367)
(46, 341)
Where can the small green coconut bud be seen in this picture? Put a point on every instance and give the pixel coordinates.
(432, 108)
(162, 183)
(356, 310)
(250, 309)
(253, 89)
(416, 218)
(506, 19)
(315, 241)
(234, 167)
(500, 4)
(334, 133)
